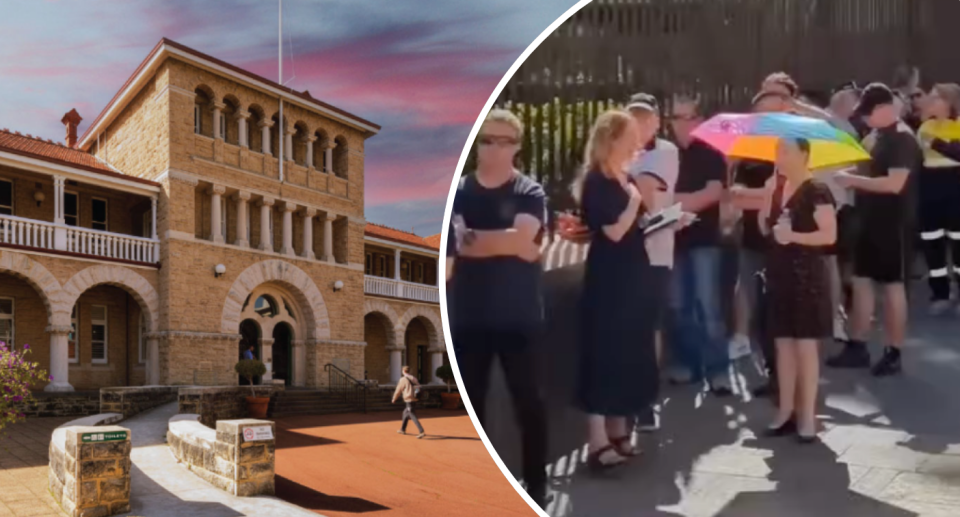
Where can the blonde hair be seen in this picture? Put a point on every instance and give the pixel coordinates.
(506, 117)
(405, 369)
(950, 93)
(608, 128)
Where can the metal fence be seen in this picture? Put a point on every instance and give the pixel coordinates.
(718, 49)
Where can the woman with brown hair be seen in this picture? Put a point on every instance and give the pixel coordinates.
(618, 365)
(800, 219)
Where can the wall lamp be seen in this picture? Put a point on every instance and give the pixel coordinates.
(219, 270)
(338, 285)
(38, 195)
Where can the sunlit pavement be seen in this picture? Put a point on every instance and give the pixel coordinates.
(890, 447)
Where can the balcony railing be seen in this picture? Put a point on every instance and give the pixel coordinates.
(30, 233)
(400, 289)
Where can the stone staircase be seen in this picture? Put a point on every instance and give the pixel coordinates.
(321, 402)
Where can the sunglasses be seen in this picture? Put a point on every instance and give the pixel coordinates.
(499, 141)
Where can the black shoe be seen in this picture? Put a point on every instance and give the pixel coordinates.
(888, 365)
(807, 440)
(853, 355)
(648, 421)
(786, 428)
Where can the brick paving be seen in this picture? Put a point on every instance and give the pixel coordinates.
(23, 468)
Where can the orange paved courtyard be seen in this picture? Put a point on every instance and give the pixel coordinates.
(342, 465)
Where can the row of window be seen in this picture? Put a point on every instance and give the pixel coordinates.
(378, 264)
(71, 206)
(97, 339)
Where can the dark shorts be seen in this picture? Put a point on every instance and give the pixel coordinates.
(659, 282)
(884, 257)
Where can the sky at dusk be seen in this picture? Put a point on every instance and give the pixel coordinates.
(422, 69)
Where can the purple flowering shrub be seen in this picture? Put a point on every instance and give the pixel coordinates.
(16, 376)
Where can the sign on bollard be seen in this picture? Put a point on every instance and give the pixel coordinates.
(117, 436)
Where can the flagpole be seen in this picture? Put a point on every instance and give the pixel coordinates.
(281, 131)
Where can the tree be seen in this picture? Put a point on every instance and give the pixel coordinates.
(16, 376)
(250, 368)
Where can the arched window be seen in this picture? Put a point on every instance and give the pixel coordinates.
(319, 150)
(254, 133)
(228, 120)
(340, 158)
(202, 114)
(265, 306)
(300, 144)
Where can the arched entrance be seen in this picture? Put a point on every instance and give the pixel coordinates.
(249, 336)
(283, 353)
(417, 341)
(271, 309)
(382, 355)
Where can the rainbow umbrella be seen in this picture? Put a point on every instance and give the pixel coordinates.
(755, 136)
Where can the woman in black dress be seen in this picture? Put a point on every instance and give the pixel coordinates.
(618, 367)
(801, 222)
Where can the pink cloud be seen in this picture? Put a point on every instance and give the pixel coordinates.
(409, 180)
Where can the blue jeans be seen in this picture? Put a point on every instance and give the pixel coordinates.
(697, 327)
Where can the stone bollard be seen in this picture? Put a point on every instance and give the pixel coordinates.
(250, 445)
(90, 470)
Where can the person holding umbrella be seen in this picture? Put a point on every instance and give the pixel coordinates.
(799, 218)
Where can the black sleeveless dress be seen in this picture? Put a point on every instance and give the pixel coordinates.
(798, 281)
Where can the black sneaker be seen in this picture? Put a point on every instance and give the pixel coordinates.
(888, 365)
(853, 355)
(648, 421)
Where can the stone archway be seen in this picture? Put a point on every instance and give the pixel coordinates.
(432, 323)
(32, 272)
(118, 276)
(301, 286)
(434, 328)
(382, 355)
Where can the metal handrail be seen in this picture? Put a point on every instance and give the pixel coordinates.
(344, 383)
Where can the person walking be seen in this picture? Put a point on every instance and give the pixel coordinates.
(800, 220)
(409, 387)
(618, 365)
(248, 353)
(886, 205)
(495, 294)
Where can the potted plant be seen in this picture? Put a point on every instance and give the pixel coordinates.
(450, 400)
(250, 368)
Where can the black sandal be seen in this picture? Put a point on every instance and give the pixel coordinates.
(596, 465)
(624, 448)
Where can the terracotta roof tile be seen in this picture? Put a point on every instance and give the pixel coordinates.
(40, 148)
(433, 241)
(47, 150)
(391, 234)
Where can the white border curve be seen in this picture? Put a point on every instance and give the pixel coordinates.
(443, 246)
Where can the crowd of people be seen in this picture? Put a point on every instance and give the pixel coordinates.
(790, 249)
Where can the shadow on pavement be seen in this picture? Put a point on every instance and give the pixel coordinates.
(312, 500)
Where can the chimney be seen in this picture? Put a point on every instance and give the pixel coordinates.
(71, 120)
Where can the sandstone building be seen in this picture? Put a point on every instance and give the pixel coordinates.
(167, 238)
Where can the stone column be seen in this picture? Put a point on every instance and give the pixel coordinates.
(242, 116)
(90, 470)
(217, 113)
(153, 360)
(328, 237)
(60, 232)
(396, 362)
(328, 157)
(436, 360)
(242, 199)
(59, 359)
(308, 214)
(299, 363)
(266, 355)
(287, 247)
(396, 264)
(265, 126)
(216, 229)
(288, 144)
(309, 141)
(266, 239)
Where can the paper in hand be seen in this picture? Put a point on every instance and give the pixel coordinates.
(662, 219)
